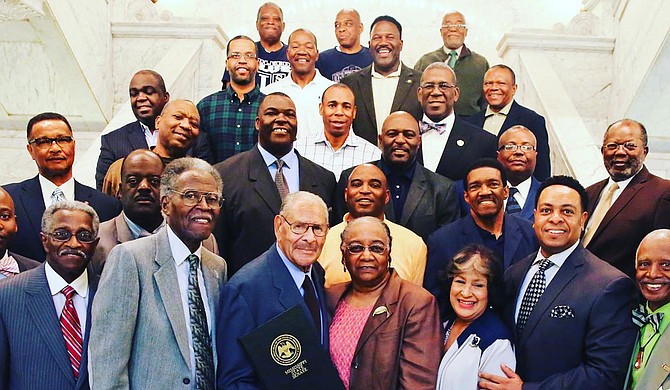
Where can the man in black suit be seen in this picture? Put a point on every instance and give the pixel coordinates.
(51, 146)
(10, 263)
(421, 200)
(570, 310)
(257, 180)
(503, 112)
(449, 144)
(387, 77)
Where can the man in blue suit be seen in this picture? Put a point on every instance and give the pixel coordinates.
(510, 237)
(51, 145)
(284, 276)
(45, 312)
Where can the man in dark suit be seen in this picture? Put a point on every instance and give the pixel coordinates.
(449, 144)
(570, 310)
(10, 263)
(253, 178)
(45, 312)
(511, 238)
(421, 200)
(284, 276)
(51, 145)
(387, 76)
(639, 204)
(503, 112)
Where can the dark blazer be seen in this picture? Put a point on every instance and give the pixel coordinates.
(120, 142)
(642, 207)
(520, 115)
(246, 225)
(260, 291)
(589, 350)
(34, 355)
(405, 99)
(431, 201)
(466, 144)
(24, 263)
(29, 204)
(526, 210)
(520, 241)
(399, 349)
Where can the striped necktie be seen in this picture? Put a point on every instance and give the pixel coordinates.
(69, 323)
(512, 206)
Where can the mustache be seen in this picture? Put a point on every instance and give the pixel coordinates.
(76, 252)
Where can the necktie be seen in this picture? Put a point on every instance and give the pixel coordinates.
(57, 196)
(427, 126)
(280, 180)
(312, 303)
(202, 341)
(512, 205)
(453, 56)
(9, 266)
(533, 293)
(641, 318)
(69, 323)
(599, 213)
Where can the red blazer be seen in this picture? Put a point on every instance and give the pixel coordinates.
(401, 350)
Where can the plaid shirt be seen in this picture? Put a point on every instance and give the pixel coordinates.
(356, 150)
(229, 123)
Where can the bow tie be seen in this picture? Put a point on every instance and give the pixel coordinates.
(426, 127)
(641, 318)
(9, 266)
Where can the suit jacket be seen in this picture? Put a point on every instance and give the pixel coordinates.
(526, 210)
(655, 375)
(431, 201)
(400, 349)
(405, 99)
(260, 291)
(520, 241)
(29, 205)
(34, 355)
(246, 225)
(116, 231)
(24, 263)
(466, 143)
(120, 142)
(138, 318)
(642, 207)
(520, 115)
(587, 350)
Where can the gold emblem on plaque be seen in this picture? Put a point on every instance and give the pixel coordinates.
(285, 349)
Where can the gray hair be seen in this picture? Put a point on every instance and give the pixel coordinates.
(174, 169)
(367, 219)
(294, 200)
(71, 205)
(441, 66)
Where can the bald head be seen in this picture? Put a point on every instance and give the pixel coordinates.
(367, 192)
(400, 140)
(519, 164)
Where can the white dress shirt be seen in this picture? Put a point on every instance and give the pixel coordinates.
(80, 299)
(383, 92)
(150, 136)
(291, 169)
(433, 143)
(522, 192)
(48, 188)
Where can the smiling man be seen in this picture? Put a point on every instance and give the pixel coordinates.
(257, 180)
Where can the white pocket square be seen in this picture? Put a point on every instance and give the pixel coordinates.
(562, 311)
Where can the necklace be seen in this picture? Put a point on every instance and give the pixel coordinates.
(640, 353)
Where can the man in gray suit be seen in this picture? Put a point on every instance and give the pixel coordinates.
(154, 315)
(44, 312)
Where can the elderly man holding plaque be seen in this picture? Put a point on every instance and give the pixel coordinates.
(386, 331)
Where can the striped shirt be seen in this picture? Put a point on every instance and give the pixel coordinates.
(355, 150)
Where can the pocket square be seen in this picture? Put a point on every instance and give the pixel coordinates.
(562, 311)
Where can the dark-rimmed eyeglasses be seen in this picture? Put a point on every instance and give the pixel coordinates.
(247, 56)
(612, 146)
(456, 26)
(192, 198)
(356, 249)
(44, 142)
(301, 227)
(444, 87)
(515, 147)
(64, 235)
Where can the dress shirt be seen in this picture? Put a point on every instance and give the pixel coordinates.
(383, 92)
(647, 335)
(354, 151)
(150, 136)
(9, 262)
(398, 184)
(522, 192)
(291, 169)
(558, 259)
(80, 299)
(433, 143)
(138, 231)
(48, 188)
(622, 186)
(494, 120)
(180, 252)
(306, 101)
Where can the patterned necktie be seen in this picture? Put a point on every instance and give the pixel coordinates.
(312, 303)
(599, 213)
(641, 318)
(280, 180)
(202, 341)
(69, 323)
(533, 293)
(453, 56)
(425, 127)
(57, 196)
(9, 266)
(512, 206)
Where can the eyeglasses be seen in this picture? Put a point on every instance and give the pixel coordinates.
(444, 87)
(515, 147)
(612, 146)
(64, 235)
(377, 249)
(301, 228)
(456, 26)
(44, 142)
(247, 56)
(192, 198)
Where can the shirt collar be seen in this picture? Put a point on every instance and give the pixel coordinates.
(349, 141)
(448, 120)
(378, 75)
(407, 173)
(448, 50)
(138, 231)
(251, 95)
(144, 127)
(57, 283)
(290, 159)
(48, 188)
(179, 250)
(296, 273)
(623, 183)
(523, 187)
(503, 111)
(559, 258)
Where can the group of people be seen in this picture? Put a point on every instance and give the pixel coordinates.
(444, 256)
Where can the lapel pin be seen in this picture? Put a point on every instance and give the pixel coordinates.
(381, 310)
(409, 81)
(460, 142)
(666, 367)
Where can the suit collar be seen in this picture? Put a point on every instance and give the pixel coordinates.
(388, 299)
(262, 182)
(415, 195)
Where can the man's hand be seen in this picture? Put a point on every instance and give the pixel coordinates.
(512, 381)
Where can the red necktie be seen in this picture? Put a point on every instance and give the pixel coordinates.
(69, 323)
